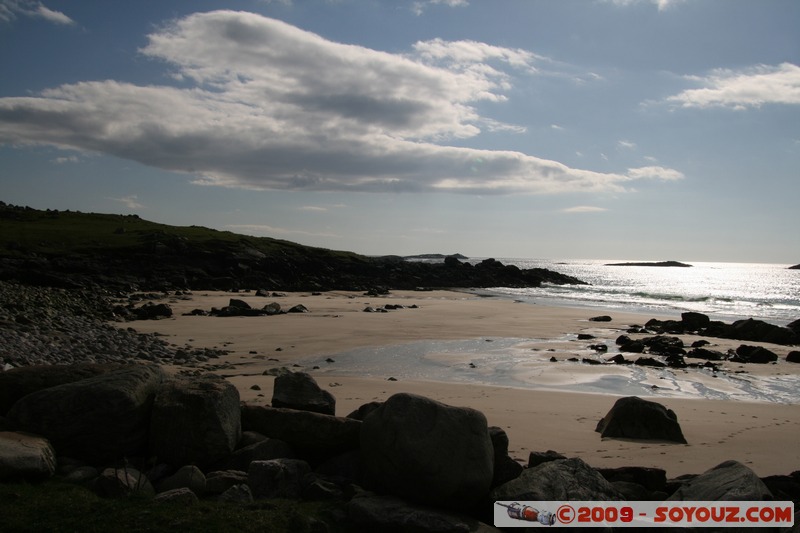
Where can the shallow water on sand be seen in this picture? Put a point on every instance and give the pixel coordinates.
(525, 363)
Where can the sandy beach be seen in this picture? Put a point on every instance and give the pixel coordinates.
(493, 354)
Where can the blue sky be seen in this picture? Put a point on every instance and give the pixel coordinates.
(632, 129)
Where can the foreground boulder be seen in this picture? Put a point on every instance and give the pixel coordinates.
(728, 481)
(559, 480)
(97, 419)
(298, 390)
(428, 452)
(195, 421)
(634, 418)
(25, 457)
(314, 436)
(19, 382)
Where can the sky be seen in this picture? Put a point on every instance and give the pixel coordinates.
(550, 129)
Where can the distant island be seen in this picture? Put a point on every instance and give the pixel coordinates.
(652, 264)
(436, 256)
(796, 267)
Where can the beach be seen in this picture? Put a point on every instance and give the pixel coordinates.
(494, 354)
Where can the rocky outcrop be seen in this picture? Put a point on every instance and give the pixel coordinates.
(728, 481)
(754, 354)
(19, 382)
(25, 457)
(195, 421)
(559, 480)
(652, 264)
(634, 418)
(101, 418)
(425, 451)
(278, 478)
(298, 390)
(744, 330)
(314, 436)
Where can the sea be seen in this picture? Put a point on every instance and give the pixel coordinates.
(724, 291)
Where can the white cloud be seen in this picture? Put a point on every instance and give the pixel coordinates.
(66, 159)
(626, 145)
(584, 209)
(266, 105)
(419, 6)
(752, 87)
(314, 208)
(11, 9)
(662, 5)
(655, 172)
(131, 202)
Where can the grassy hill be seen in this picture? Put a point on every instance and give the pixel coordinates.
(73, 249)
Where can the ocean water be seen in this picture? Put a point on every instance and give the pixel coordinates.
(724, 291)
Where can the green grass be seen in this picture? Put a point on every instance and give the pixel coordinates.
(58, 507)
(68, 232)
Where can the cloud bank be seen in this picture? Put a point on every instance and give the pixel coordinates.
(10, 9)
(752, 87)
(261, 104)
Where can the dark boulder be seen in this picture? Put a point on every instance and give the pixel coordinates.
(428, 452)
(559, 480)
(728, 481)
(278, 478)
(793, 357)
(537, 458)
(298, 390)
(602, 318)
(705, 353)
(754, 354)
(760, 331)
(653, 479)
(505, 468)
(312, 436)
(695, 321)
(97, 419)
(649, 361)
(634, 418)
(152, 311)
(195, 421)
(239, 304)
(364, 410)
(25, 457)
(664, 345)
(19, 382)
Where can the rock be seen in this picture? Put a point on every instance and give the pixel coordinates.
(559, 480)
(603, 318)
(278, 478)
(429, 452)
(364, 410)
(122, 481)
(649, 361)
(634, 418)
(237, 494)
(195, 421)
(664, 345)
(537, 458)
(760, 331)
(263, 293)
(152, 311)
(239, 304)
(25, 457)
(261, 451)
(705, 353)
(585, 336)
(754, 354)
(298, 390)
(187, 477)
(728, 481)
(793, 357)
(313, 436)
(505, 468)
(179, 496)
(82, 475)
(693, 321)
(299, 308)
(619, 359)
(272, 309)
(97, 419)
(632, 347)
(18, 382)
(653, 479)
(219, 481)
(370, 512)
